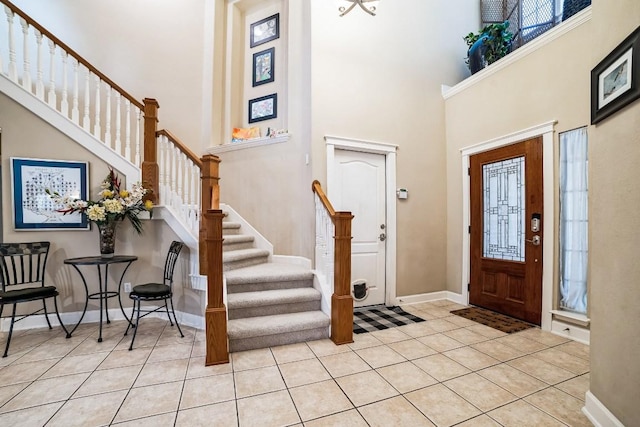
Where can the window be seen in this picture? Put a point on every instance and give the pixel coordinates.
(574, 221)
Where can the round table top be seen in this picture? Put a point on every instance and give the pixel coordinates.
(99, 260)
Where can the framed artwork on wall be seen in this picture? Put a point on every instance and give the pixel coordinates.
(615, 80)
(263, 70)
(265, 30)
(263, 108)
(33, 209)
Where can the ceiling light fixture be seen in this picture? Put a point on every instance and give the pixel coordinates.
(346, 6)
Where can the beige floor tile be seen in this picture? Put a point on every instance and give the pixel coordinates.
(406, 377)
(420, 329)
(481, 421)
(576, 387)
(46, 391)
(95, 410)
(7, 392)
(162, 372)
(411, 349)
(390, 335)
(417, 312)
(14, 355)
(440, 342)
(540, 369)
(396, 411)
(198, 369)
(522, 414)
(258, 381)
(364, 341)
(471, 358)
(433, 311)
(303, 372)
(121, 358)
(380, 356)
(271, 409)
(109, 380)
(151, 400)
(25, 372)
(575, 348)
(75, 365)
(442, 325)
(498, 350)
(161, 420)
(207, 390)
(343, 364)
(521, 343)
(171, 336)
(513, 380)
(199, 349)
(459, 320)
(441, 405)
(252, 359)
(543, 337)
(327, 347)
(487, 331)
(319, 400)
(219, 415)
(170, 352)
(441, 367)
(571, 363)
(366, 387)
(91, 345)
(481, 393)
(343, 419)
(47, 351)
(143, 340)
(30, 417)
(466, 336)
(562, 406)
(440, 303)
(292, 353)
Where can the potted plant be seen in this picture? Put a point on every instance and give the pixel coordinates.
(487, 46)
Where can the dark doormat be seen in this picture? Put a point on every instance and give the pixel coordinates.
(495, 320)
(379, 317)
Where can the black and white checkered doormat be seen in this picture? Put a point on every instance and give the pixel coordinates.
(375, 318)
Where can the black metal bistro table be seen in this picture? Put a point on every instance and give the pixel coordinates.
(103, 294)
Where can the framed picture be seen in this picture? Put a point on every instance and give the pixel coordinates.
(263, 108)
(263, 71)
(33, 209)
(614, 81)
(265, 30)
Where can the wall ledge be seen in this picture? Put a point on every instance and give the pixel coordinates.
(250, 143)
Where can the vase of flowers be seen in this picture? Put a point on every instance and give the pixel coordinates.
(114, 205)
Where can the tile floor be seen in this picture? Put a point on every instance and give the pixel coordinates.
(443, 372)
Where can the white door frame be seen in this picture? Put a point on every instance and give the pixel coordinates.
(389, 151)
(545, 130)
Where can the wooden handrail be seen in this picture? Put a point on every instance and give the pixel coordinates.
(181, 146)
(317, 188)
(72, 52)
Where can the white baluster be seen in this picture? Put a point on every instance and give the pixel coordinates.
(107, 119)
(161, 171)
(167, 173)
(64, 103)
(75, 110)
(39, 81)
(137, 159)
(1, 62)
(85, 119)
(97, 129)
(51, 98)
(26, 76)
(127, 125)
(173, 174)
(118, 146)
(13, 66)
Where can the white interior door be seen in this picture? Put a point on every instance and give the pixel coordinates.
(360, 188)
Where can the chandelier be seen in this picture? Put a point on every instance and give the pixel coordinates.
(346, 6)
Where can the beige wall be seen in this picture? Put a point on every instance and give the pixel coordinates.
(379, 79)
(25, 135)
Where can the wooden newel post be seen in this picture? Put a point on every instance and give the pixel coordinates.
(209, 178)
(150, 169)
(341, 300)
(216, 312)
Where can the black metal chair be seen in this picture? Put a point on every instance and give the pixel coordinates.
(156, 292)
(22, 280)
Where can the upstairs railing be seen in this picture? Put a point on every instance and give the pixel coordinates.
(333, 261)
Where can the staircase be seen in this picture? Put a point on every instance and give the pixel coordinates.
(268, 303)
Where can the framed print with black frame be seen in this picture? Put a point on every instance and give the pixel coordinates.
(614, 81)
(263, 108)
(263, 69)
(265, 30)
(33, 209)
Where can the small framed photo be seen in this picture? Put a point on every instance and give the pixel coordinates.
(265, 30)
(263, 70)
(263, 108)
(615, 80)
(33, 209)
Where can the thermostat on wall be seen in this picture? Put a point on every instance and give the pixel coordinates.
(402, 193)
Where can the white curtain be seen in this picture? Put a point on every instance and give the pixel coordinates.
(573, 220)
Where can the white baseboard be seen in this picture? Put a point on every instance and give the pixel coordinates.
(571, 331)
(431, 296)
(598, 414)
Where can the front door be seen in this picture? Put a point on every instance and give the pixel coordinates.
(360, 188)
(506, 230)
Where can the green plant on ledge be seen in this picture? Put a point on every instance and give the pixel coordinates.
(487, 46)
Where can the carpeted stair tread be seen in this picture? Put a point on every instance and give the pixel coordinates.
(229, 227)
(272, 297)
(243, 254)
(237, 238)
(276, 324)
(268, 272)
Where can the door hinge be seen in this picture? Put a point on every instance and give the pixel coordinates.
(468, 287)
(469, 171)
(469, 229)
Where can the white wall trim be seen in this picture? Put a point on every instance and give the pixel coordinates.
(529, 48)
(571, 331)
(545, 130)
(389, 151)
(598, 414)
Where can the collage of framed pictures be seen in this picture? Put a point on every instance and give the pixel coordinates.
(263, 67)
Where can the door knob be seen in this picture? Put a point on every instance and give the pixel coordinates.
(382, 237)
(535, 240)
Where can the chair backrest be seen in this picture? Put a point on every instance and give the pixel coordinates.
(170, 263)
(23, 263)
